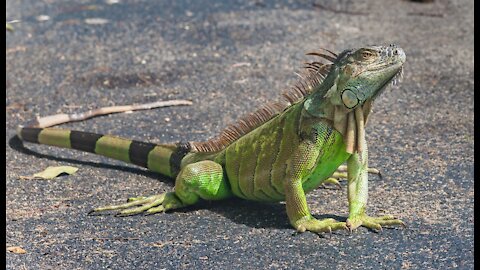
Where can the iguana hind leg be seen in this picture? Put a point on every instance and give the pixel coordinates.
(344, 168)
(200, 180)
(341, 174)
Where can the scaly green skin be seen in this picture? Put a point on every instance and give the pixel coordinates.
(289, 155)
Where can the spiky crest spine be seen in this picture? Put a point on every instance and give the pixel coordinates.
(312, 76)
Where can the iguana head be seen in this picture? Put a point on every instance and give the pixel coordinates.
(363, 73)
(359, 75)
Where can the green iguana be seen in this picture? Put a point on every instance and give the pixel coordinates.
(277, 153)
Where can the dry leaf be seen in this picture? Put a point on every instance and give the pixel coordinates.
(52, 172)
(16, 250)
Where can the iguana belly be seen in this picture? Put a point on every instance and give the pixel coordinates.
(332, 154)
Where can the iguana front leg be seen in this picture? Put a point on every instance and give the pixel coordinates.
(296, 202)
(357, 170)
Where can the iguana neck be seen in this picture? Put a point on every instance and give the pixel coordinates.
(350, 123)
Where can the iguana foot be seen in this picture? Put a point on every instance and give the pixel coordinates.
(332, 181)
(374, 223)
(341, 174)
(149, 205)
(319, 226)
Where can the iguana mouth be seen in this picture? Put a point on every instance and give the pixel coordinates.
(395, 80)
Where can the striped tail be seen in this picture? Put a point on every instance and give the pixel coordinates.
(160, 158)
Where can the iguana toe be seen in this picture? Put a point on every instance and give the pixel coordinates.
(331, 181)
(149, 205)
(132, 199)
(374, 223)
(155, 210)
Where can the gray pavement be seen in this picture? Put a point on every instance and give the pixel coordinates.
(228, 58)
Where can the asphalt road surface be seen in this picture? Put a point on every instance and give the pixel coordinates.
(229, 57)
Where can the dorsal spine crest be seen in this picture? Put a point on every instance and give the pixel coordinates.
(312, 76)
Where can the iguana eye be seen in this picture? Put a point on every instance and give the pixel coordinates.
(349, 98)
(366, 55)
